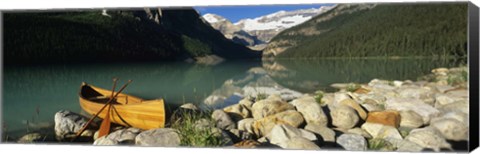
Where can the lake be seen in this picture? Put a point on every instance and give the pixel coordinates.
(33, 94)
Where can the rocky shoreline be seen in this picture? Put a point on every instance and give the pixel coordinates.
(429, 114)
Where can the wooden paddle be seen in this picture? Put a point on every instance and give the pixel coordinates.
(105, 126)
(95, 115)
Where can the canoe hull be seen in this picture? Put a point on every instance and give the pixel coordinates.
(129, 110)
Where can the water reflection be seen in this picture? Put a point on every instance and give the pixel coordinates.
(311, 75)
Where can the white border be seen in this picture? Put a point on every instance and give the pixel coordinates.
(8, 5)
(71, 4)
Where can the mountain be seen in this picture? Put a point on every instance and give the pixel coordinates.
(377, 30)
(255, 33)
(266, 27)
(151, 34)
(231, 31)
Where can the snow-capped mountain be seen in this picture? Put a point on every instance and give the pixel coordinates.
(280, 20)
(213, 18)
(265, 27)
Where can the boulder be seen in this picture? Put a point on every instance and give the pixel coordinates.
(327, 134)
(124, 135)
(352, 142)
(262, 127)
(423, 93)
(214, 100)
(381, 131)
(359, 131)
(68, 123)
(428, 138)
(246, 125)
(222, 120)
(445, 99)
(269, 106)
(247, 103)
(413, 104)
(301, 143)
(353, 104)
(163, 137)
(237, 112)
(407, 146)
(344, 117)
(282, 133)
(31, 138)
(410, 119)
(312, 111)
(451, 129)
(390, 118)
(105, 141)
(459, 106)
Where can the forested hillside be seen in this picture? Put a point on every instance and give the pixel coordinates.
(381, 30)
(120, 36)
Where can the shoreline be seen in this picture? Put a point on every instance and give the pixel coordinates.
(359, 101)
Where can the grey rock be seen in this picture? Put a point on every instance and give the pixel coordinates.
(344, 116)
(301, 143)
(359, 131)
(262, 127)
(413, 104)
(237, 112)
(445, 99)
(214, 100)
(105, 141)
(423, 93)
(407, 146)
(312, 111)
(164, 137)
(381, 131)
(246, 125)
(124, 135)
(410, 119)
(269, 106)
(459, 106)
(222, 120)
(247, 103)
(451, 129)
(68, 123)
(352, 142)
(30, 138)
(428, 138)
(326, 133)
(280, 134)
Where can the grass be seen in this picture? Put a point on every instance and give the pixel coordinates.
(351, 87)
(193, 135)
(318, 97)
(380, 144)
(261, 96)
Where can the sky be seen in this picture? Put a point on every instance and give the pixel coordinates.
(235, 13)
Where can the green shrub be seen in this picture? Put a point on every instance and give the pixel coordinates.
(380, 144)
(192, 135)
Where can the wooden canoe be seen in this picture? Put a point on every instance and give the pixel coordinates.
(127, 110)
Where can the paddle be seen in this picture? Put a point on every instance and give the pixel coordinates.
(95, 115)
(105, 126)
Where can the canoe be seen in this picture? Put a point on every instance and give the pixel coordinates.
(127, 110)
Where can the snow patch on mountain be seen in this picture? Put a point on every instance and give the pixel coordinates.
(213, 18)
(280, 20)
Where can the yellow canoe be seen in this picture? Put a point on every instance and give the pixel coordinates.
(127, 110)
